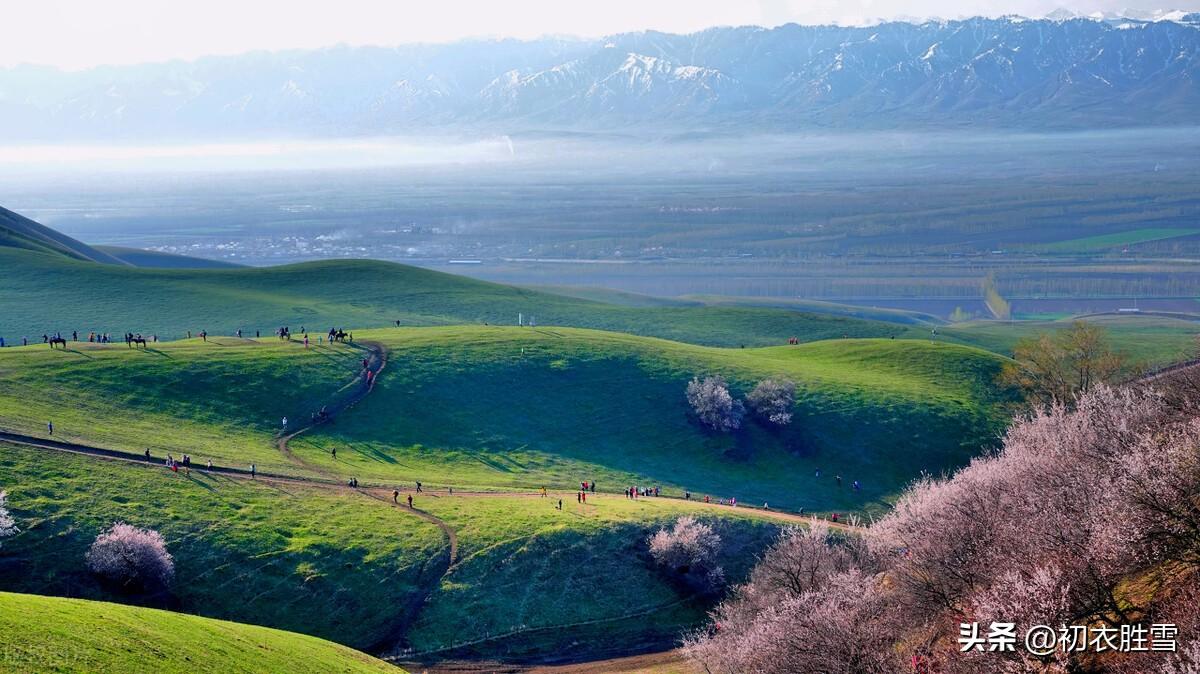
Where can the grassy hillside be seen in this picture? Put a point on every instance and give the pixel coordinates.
(334, 563)
(222, 399)
(43, 634)
(18, 232)
(531, 579)
(511, 406)
(46, 293)
(327, 563)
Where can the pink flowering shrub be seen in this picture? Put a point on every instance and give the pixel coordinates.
(132, 558)
(690, 551)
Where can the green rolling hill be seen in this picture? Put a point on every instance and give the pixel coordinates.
(349, 566)
(45, 634)
(50, 293)
(504, 407)
(509, 406)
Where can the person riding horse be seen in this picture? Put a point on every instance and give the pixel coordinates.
(57, 340)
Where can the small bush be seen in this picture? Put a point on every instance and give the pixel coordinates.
(689, 550)
(132, 558)
(772, 401)
(713, 405)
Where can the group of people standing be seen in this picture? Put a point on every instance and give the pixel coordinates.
(635, 491)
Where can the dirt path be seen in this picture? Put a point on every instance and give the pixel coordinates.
(360, 387)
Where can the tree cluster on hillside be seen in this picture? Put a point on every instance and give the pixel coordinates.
(1080, 502)
(133, 559)
(1055, 368)
(8, 526)
(771, 400)
(689, 551)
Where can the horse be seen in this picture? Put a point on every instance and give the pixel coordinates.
(138, 341)
(58, 340)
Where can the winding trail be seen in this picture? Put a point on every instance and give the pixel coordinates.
(360, 387)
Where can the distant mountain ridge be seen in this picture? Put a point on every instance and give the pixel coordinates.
(1065, 72)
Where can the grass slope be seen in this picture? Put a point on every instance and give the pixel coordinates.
(496, 407)
(329, 564)
(338, 565)
(532, 580)
(19, 232)
(222, 399)
(45, 293)
(45, 634)
(506, 407)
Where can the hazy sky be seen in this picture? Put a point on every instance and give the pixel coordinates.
(82, 33)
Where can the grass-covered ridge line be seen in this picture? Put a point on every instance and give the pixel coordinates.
(52, 634)
(46, 294)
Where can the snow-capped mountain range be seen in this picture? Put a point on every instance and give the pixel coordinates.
(1057, 72)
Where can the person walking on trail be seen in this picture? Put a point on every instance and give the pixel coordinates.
(584, 495)
(593, 485)
(560, 504)
(418, 487)
(285, 423)
(334, 452)
(50, 427)
(147, 453)
(253, 470)
(210, 464)
(579, 497)
(396, 496)
(410, 501)
(543, 491)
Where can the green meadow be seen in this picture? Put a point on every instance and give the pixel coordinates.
(48, 634)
